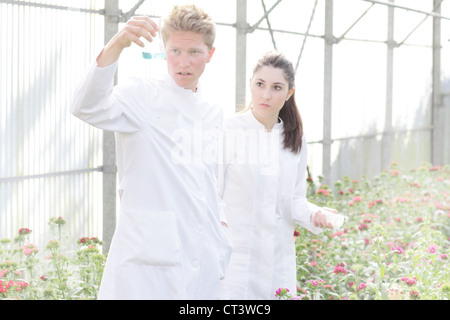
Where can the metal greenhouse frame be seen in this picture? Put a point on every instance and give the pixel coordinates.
(113, 16)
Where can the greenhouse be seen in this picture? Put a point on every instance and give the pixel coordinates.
(372, 86)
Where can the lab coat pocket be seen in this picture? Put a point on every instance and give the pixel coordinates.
(150, 238)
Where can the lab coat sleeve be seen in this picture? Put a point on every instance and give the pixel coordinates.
(302, 208)
(96, 103)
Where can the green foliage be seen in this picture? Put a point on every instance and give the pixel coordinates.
(394, 244)
(55, 273)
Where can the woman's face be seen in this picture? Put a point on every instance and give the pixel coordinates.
(270, 90)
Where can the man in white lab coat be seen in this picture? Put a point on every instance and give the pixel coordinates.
(169, 242)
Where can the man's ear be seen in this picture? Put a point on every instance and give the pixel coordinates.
(210, 54)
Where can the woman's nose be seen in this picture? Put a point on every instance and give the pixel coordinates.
(267, 94)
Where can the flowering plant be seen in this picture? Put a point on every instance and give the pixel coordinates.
(52, 273)
(395, 242)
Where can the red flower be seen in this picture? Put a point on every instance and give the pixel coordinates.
(363, 226)
(339, 269)
(24, 231)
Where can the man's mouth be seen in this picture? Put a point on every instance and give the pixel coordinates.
(184, 73)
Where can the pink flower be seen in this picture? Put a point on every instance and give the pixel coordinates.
(281, 292)
(315, 283)
(3, 272)
(339, 269)
(441, 257)
(357, 199)
(362, 285)
(29, 249)
(432, 248)
(363, 226)
(337, 233)
(398, 249)
(325, 192)
(409, 281)
(402, 199)
(414, 295)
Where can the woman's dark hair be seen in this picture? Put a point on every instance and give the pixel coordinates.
(293, 126)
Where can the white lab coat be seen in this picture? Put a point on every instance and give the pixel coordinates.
(169, 243)
(263, 187)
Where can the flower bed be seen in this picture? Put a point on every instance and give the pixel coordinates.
(55, 273)
(393, 245)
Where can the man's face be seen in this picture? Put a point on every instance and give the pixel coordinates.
(187, 56)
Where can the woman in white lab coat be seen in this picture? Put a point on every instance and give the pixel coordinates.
(262, 180)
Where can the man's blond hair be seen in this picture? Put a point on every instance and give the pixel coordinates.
(189, 18)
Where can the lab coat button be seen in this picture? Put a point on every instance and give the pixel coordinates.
(195, 264)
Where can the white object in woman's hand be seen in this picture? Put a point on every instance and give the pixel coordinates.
(328, 218)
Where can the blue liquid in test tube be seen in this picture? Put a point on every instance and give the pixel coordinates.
(155, 49)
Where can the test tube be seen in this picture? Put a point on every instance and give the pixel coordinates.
(155, 49)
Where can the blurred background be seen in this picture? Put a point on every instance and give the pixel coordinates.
(372, 86)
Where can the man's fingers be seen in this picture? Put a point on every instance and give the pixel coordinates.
(145, 24)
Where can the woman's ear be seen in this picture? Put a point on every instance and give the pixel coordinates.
(290, 93)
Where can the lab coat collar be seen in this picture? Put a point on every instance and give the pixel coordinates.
(173, 85)
(258, 125)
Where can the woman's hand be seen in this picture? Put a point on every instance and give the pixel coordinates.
(319, 218)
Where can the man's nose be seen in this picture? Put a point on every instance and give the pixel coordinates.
(185, 60)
